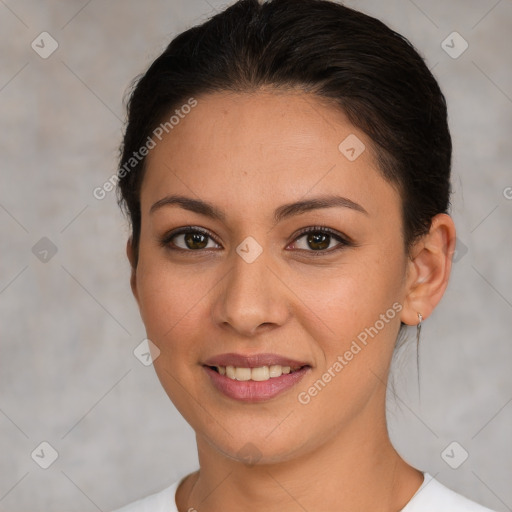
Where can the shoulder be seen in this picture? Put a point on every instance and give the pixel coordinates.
(161, 501)
(433, 495)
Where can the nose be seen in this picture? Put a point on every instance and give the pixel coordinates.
(252, 298)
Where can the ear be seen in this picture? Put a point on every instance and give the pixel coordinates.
(428, 269)
(131, 258)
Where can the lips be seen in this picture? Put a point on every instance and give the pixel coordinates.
(254, 378)
(253, 361)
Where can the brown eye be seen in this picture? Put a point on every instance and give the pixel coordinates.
(319, 240)
(195, 240)
(189, 240)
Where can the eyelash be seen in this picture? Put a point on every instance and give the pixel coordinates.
(344, 241)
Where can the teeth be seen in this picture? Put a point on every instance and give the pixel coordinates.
(262, 373)
(242, 373)
(230, 372)
(257, 374)
(275, 370)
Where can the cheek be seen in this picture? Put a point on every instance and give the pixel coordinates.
(175, 306)
(168, 298)
(172, 307)
(362, 308)
(353, 295)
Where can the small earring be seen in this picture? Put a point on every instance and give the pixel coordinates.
(418, 332)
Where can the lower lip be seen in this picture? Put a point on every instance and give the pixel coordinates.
(255, 391)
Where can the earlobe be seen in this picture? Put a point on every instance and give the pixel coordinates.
(131, 258)
(429, 269)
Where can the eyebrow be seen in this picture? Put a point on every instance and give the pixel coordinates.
(280, 213)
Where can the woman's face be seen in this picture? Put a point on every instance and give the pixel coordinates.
(257, 285)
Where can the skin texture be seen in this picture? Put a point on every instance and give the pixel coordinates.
(249, 154)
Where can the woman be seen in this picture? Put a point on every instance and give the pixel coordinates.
(286, 173)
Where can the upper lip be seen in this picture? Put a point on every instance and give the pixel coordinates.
(253, 361)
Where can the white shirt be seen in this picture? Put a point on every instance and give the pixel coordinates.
(432, 496)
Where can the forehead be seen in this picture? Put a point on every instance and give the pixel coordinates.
(251, 124)
(252, 148)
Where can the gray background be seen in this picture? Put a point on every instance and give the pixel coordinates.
(69, 325)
